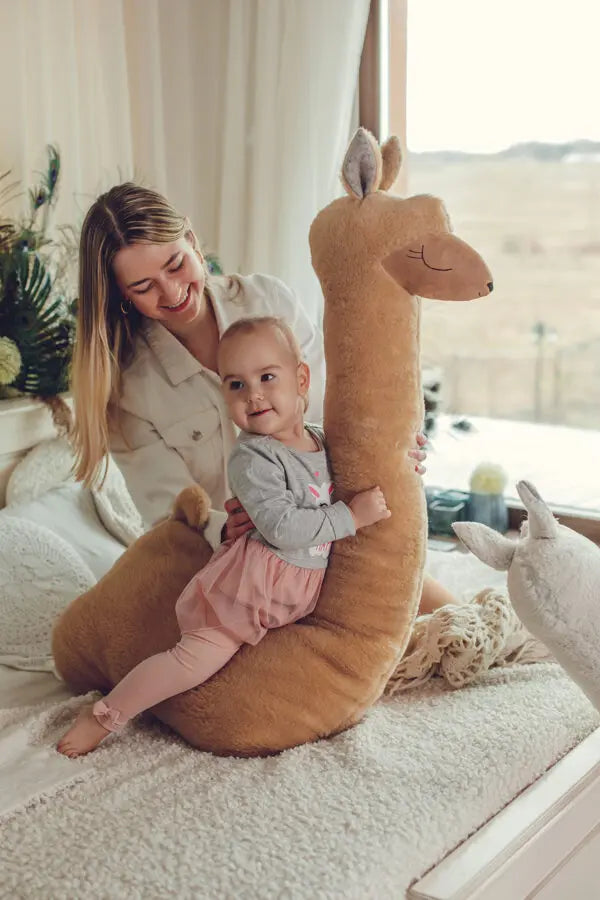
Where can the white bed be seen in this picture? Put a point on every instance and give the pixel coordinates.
(338, 819)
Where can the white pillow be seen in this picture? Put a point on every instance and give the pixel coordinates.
(50, 464)
(70, 512)
(40, 574)
(45, 466)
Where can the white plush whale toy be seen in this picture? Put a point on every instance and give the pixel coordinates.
(553, 584)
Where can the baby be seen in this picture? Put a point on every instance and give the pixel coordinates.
(272, 575)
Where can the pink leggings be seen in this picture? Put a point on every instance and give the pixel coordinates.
(197, 656)
(242, 591)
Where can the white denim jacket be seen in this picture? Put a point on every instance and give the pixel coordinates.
(174, 427)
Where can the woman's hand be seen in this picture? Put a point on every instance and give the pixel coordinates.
(237, 522)
(419, 454)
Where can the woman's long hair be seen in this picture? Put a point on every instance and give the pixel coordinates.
(127, 214)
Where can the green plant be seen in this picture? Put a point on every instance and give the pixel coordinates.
(36, 313)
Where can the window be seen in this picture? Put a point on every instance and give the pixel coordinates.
(502, 124)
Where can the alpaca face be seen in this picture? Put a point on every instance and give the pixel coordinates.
(550, 576)
(440, 267)
(410, 239)
(552, 570)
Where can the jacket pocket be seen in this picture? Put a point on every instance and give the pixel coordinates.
(198, 441)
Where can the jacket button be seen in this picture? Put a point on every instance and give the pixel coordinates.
(196, 435)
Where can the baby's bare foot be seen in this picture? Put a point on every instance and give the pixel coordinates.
(83, 736)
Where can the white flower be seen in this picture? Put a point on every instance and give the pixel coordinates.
(488, 478)
(10, 361)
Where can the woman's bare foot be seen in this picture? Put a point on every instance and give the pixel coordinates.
(83, 736)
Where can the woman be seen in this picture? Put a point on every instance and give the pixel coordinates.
(144, 370)
(144, 379)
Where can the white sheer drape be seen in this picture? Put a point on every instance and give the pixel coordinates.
(64, 81)
(238, 110)
(291, 75)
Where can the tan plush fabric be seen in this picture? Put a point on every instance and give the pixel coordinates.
(391, 158)
(319, 676)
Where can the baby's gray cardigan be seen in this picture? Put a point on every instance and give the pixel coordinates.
(286, 493)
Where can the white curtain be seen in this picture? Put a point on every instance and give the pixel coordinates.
(238, 110)
(64, 81)
(291, 75)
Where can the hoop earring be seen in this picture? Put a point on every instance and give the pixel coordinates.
(125, 309)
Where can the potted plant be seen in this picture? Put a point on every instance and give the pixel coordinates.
(37, 303)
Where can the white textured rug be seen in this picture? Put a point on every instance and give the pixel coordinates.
(356, 817)
(29, 771)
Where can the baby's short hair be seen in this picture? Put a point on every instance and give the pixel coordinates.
(249, 324)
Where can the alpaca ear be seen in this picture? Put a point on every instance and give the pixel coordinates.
(391, 155)
(362, 166)
(542, 523)
(488, 545)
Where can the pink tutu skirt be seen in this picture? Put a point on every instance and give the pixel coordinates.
(246, 589)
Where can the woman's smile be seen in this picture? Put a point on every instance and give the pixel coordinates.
(181, 304)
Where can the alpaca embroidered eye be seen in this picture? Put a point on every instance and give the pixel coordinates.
(420, 254)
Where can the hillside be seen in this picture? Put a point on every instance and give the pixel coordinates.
(532, 349)
(537, 150)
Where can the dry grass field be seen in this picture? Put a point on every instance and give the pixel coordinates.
(537, 224)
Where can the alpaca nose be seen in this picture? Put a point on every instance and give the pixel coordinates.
(490, 286)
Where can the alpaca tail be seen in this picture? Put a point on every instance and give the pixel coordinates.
(192, 506)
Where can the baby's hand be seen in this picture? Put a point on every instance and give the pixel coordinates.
(237, 522)
(369, 507)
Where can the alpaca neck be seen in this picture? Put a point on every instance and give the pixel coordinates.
(374, 403)
(373, 410)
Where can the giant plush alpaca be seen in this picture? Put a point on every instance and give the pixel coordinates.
(373, 252)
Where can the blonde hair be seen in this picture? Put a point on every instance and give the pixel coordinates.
(127, 214)
(251, 324)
